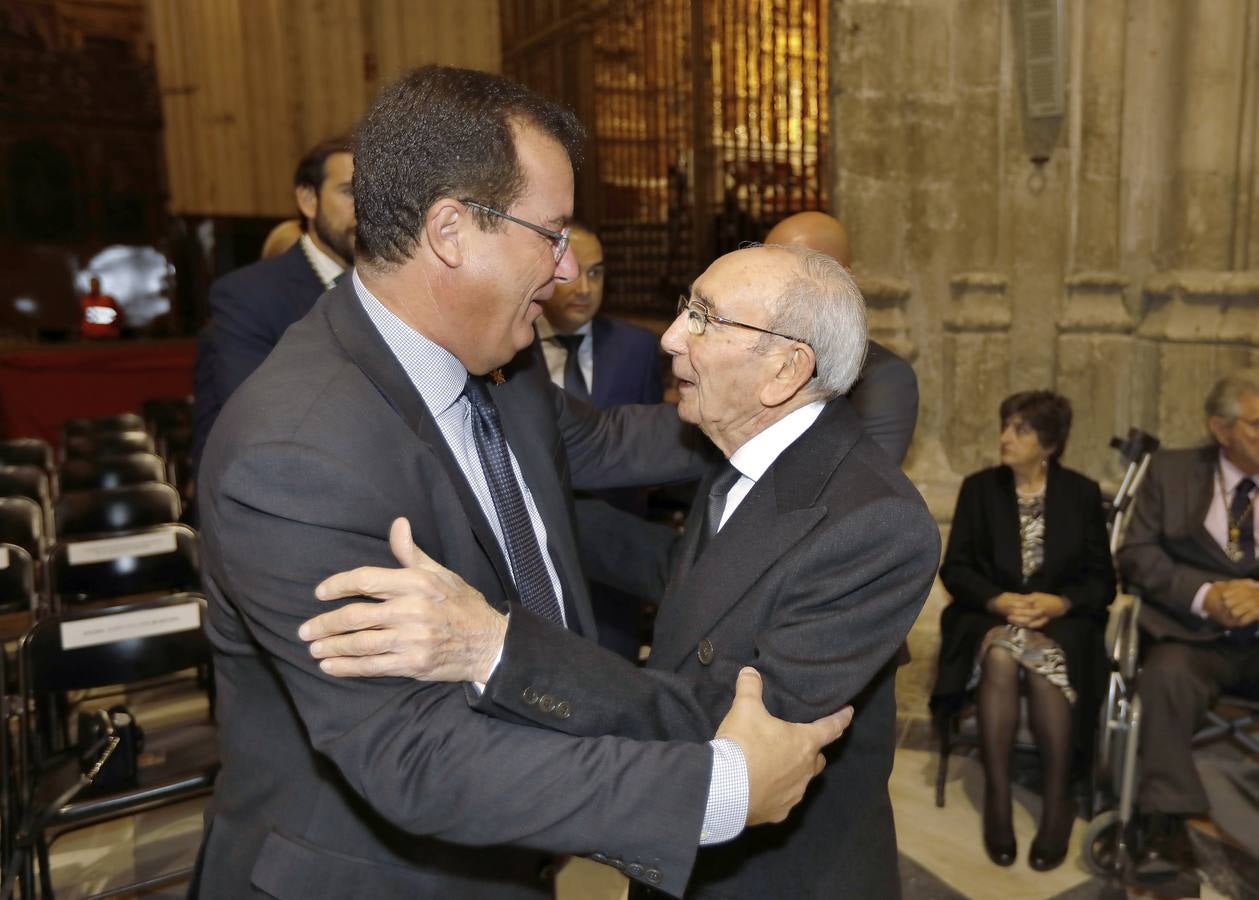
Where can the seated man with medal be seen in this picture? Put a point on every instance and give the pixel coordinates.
(1190, 554)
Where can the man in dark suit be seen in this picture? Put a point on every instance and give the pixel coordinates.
(1190, 553)
(377, 405)
(608, 362)
(808, 552)
(886, 394)
(251, 307)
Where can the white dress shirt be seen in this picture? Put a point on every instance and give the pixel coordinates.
(327, 269)
(758, 454)
(439, 378)
(556, 354)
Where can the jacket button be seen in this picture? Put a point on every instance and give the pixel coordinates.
(634, 870)
(652, 875)
(563, 710)
(706, 652)
(599, 857)
(618, 864)
(530, 695)
(546, 703)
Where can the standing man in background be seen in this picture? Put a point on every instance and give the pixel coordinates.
(886, 395)
(607, 362)
(251, 307)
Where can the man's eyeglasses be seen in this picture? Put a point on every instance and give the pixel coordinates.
(698, 317)
(558, 239)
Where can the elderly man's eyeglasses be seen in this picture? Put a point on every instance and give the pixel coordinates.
(698, 317)
(558, 239)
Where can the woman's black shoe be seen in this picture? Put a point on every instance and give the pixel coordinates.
(1042, 860)
(1002, 852)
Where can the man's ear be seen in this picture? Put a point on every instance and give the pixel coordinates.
(446, 230)
(793, 374)
(307, 201)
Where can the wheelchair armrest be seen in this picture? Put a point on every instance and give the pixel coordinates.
(1123, 635)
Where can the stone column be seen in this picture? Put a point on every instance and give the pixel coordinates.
(1198, 325)
(976, 368)
(1094, 369)
(886, 299)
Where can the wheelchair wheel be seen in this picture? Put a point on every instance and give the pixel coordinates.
(1100, 846)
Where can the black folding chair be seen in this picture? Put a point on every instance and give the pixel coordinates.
(22, 523)
(163, 414)
(130, 645)
(17, 580)
(81, 426)
(112, 443)
(110, 471)
(115, 509)
(31, 482)
(109, 567)
(26, 452)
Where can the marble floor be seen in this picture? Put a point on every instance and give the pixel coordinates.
(941, 858)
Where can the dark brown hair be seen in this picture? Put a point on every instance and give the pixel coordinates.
(444, 132)
(1047, 413)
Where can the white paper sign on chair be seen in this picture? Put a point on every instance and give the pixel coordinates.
(127, 626)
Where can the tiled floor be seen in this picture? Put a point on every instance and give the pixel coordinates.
(941, 858)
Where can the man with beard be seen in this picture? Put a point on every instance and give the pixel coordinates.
(251, 307)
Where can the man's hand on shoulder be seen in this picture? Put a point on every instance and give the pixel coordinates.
(427, 623)
(782, 757)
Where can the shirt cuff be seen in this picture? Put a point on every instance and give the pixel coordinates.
(479, 686)
(727, 809)
(1199, 605)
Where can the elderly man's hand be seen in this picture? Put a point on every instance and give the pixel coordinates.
(428, 624)
(782, 757)
(1233, 604)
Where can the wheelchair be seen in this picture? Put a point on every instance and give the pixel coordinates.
(1105, 848)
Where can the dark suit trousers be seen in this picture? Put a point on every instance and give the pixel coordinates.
(1179, 683)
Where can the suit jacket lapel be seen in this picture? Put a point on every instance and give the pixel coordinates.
(776, 514)
(603, 370)
(1006, 541)
(362, 342)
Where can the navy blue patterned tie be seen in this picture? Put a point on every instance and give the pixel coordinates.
(1242, 513)
(533, 583)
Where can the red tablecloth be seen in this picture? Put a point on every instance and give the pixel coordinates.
(41, 388)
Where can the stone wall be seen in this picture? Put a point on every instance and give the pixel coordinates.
(1111, 254)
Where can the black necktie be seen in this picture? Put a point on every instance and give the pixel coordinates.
(574, 380)
(527, 566)
(717, 494)
(1241, 513)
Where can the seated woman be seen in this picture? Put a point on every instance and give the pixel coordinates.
(1028, 566)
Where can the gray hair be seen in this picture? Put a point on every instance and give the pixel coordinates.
(1224, 398)
(823, 306)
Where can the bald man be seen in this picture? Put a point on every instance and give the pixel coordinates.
(886, 395)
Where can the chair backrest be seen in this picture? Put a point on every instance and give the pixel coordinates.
(110, 471)
(17, 579)
(102, 424)
(114, 645)
(111, 443)
(22, 523)
(26, 452)
(165, 413)
(25, 481)
(115, 509)
(85, 569)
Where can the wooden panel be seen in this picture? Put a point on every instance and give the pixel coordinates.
(248, 85)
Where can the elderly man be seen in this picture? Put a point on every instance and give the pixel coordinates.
(377, 405)
(1190, 552)
(809, 553)
(252, 307)
(886, 394)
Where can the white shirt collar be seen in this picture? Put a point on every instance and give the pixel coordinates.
(759, 453)
(326, 268)
(547, 330)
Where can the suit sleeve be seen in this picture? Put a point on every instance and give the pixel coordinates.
(1144, 561)
(845, 602)
(963, 571)
(886, 398)
(623, 550)
(1091, 586)
(415, 752)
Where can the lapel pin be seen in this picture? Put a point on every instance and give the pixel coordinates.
(497, 377)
